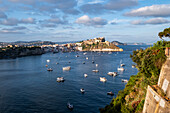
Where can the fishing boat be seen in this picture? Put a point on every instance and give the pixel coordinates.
(66, 68)
(48, 60)
(120, 69)
(95, 70)
(103, 79)
(77, 55)
(125, 80)
(85, 75)
(70, 106)
(85, 53)
(60, 79)
(112, 73)
(110, 93)
(49, 69)
(133, 66)
(82, 90)
(122, 65)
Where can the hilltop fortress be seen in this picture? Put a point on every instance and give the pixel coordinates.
(97, 44)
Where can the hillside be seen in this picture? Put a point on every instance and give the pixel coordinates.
(149, 63)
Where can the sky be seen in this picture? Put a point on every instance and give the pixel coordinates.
(75, 20)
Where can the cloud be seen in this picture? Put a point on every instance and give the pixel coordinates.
(15, 22)
(28, 21)
(113, 5)
(116, 21)
(154, 10)
(2, 15)
(14, 30)
(153, 21)
(53, 22)
(96, 21)
(120, 4)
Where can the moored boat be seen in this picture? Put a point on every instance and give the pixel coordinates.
(49, 69)
(95, 70)
(110, 93)
(103, 79)
(125, 80)
(85, 75)
(82, 90)
(70, 106)
(120, 69)
(66, 68)
(60, 79)
(112, 73)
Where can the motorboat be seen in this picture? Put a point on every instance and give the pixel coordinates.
(96, 65)
(110, 53)
(70, 106)
(60, 79)
(112, 73)
(110, 93)
(66, 68)
(85, 53)
(48, 60)
(82, 90)
(85, 75)
(103, 79)
(133, 66)
(122, 65)
(125, 80)
(120, 69)
(95, 70)
(92, 62)
(77, 55)
(87, 58)
(49, 69)
(57, 63)
(83, 62)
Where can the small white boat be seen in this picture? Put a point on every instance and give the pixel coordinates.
(85, 53)
(133, 66)
(66, 68)
(120, 69)
(125, 80)
(122, 65)
(49, 69)
(60, 79)
(69, 106)
(48, 60)
(110, 93)
(110, 53)
(96, 65)
(112, 73)
(82, 90)
(85, 75)
(95, 70)
(87, 58)
(77, 55)
(103, 79)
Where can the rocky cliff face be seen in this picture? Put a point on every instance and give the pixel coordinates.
(20, 52)
(158, 97)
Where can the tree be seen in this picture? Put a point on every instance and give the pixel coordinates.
(164, 33)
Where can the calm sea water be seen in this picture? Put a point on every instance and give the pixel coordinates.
(27, 87)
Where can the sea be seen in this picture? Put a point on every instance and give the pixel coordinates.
(27, 87)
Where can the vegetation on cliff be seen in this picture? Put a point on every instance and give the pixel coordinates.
(13, 52)
(149, 63)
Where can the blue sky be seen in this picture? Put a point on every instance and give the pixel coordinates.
(75, 20)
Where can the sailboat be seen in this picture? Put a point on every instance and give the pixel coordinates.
(120, 68)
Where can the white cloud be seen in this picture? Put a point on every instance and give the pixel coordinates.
(154, 10)
(96, 1)
(96, 21)
(115, 21)
(28, 21)
(153, 21)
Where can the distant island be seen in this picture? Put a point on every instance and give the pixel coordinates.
(118, 43)
(97, 44)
